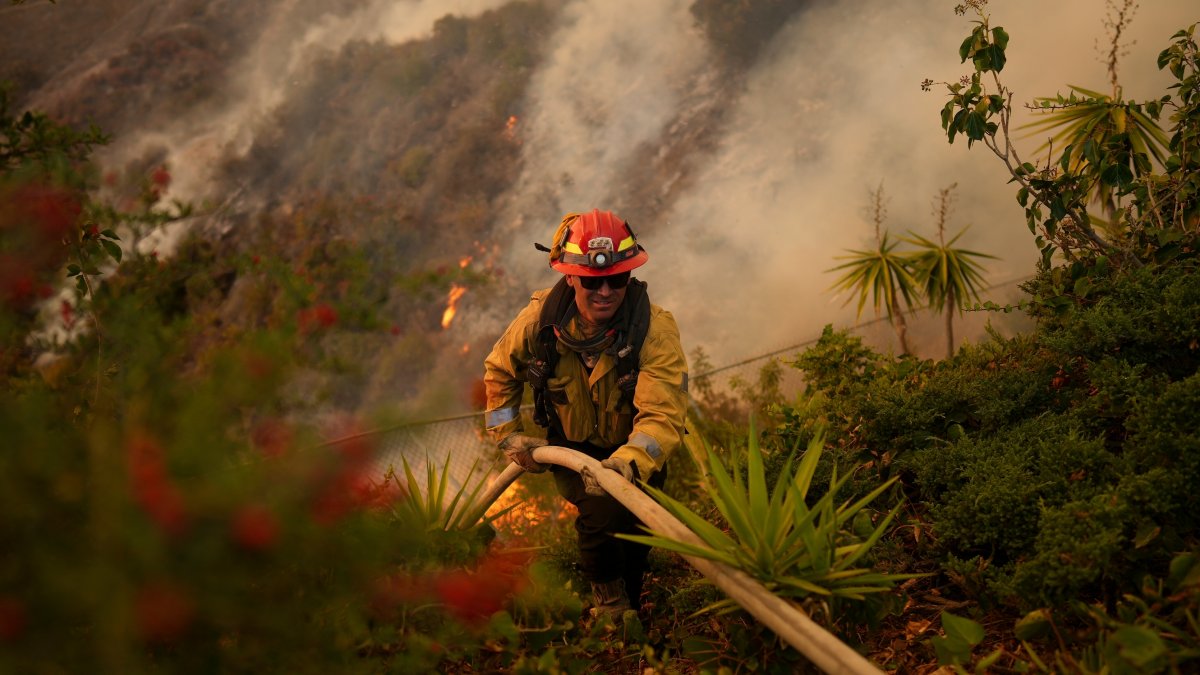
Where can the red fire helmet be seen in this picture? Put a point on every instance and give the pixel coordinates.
(595, 244)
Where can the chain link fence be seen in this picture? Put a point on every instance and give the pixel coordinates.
(461, 446)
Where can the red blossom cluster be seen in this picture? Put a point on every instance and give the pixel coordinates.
(152, 486)
(351, 485)
(470, 595)
(67, 311)
(36, 220)
(317, 316)
(160, 180)
(161, 177)
(254, 528)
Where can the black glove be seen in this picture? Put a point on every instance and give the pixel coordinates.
(518, 448)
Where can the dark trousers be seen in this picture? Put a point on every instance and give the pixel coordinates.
(602, 556)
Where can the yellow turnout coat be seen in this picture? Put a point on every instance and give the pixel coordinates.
(593, 410)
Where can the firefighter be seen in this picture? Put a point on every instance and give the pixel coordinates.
(609, 379)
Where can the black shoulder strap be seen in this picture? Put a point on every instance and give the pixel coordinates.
(632, 325)
(559, 303)
(638, 317)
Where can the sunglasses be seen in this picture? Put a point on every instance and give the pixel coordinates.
(615, 281)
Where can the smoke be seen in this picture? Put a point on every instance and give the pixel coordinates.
(195, 145)
(611, 83)
(834, 109)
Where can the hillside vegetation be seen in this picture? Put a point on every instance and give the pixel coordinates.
(170, 502)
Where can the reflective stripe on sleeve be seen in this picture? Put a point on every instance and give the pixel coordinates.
(647, 443)
(494, 418)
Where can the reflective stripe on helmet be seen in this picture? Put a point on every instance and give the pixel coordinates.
(572, 247)
(587, 261)
(625, 243)
(647, 443)
(494, 418)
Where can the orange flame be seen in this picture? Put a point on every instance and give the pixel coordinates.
(529, 512)
(465, 261)
(456, 292)
(465, 348)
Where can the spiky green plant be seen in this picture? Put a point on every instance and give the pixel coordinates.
(1106, 139)
(884, 276)
(948, 276)
(795, 549)
(434, 507)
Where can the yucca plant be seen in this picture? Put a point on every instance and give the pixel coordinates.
(795, 549)
(947, 275)
(434, 507)
(882, 274)
(1102, 137)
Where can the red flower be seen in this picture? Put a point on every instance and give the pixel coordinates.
(152, 486)
(473, 597)
(161, 177)
(17, 284)
(379, 496)
(319, 316)
(67, 311)
(469, 597)
(13, 619)
(162, 612)
(255, 528)
(53, 209)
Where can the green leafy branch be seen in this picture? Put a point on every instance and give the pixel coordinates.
(985, 115)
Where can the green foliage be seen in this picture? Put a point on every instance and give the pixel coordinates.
(1059, 462)
(33, 138)
(414, 165)
(947, 276)
(1106, 146)
(954, 648)
(1106, 140)
(796, 550)
(837, 362)
(881, 274)
(434, 507)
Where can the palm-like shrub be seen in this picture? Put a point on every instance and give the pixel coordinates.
(796, 549)
(883, 275)
(946, 275)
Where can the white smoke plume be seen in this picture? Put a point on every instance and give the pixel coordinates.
(613, 79)
(285, 50)
(833, 109)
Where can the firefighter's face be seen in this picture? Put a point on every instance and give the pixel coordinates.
(599, 305)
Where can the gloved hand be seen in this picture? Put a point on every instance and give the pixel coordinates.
(621, 466)
(518, 448)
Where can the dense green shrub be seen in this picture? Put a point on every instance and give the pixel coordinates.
(1066, 459)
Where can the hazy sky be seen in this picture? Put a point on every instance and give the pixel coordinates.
(833, 109)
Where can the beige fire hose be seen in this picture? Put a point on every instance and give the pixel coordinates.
(788, 621)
